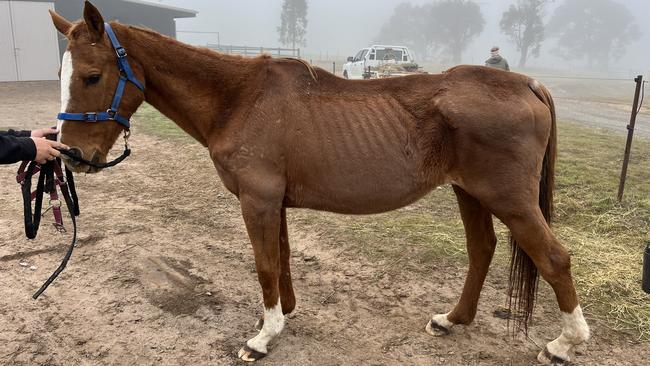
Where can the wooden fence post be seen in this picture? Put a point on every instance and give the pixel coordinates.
(630, 135)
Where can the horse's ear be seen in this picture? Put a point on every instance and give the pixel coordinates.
(60, 23)
(94, 22)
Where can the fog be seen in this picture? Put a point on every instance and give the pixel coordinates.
(338, 28)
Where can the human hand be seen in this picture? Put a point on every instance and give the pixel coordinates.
(42, 132)
(46, 149)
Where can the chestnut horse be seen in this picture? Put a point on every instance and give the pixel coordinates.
(283, 134)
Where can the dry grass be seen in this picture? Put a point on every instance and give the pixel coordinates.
(606, 238)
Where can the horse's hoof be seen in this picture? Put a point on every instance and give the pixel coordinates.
(547, 358)
(259, 324)
(250, 355)
(436, 329)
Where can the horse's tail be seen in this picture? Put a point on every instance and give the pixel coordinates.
(524, 278)
(547, 181)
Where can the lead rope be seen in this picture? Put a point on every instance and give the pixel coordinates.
(50, 179)
(119, 159)
(73, 209)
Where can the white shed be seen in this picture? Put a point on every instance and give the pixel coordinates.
(29, 48)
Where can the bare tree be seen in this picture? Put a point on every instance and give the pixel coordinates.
(293, 26)
(407, 26)
(443, 27)
(453, 24)
(597, 30)
(523, 25)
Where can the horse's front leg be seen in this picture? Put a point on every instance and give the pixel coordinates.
(481, 242)
(287, 297)
(262, 215)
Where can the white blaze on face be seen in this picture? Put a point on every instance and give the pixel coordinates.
(273, 325)
(66, 81)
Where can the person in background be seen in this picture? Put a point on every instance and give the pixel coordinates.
(18, 146)
(496, 61)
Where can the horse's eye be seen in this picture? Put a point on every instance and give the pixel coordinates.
(93, 79)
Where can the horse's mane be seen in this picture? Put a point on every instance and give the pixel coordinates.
(310, 68)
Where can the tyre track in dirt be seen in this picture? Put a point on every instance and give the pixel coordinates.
(164, 275)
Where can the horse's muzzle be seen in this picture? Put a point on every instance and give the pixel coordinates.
(74, 153)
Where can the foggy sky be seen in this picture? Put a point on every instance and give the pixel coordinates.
(341, 27)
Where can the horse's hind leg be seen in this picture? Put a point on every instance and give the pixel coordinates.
(481, 242)
(533, 235)
(287, 297)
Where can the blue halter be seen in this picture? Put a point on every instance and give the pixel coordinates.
(126, 74)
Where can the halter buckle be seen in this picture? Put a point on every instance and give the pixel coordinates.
(90, 117)
(121, 52)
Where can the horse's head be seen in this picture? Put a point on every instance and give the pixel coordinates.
(89, 81)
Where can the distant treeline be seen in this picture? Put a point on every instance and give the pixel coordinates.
(596, 31)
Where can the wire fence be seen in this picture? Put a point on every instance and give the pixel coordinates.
(253, 51)
(598, 102)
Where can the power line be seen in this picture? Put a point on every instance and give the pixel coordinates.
(577, 78)
(202, 32)
(184, 31)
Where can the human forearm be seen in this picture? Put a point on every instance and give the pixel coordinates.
(15, 149)
(15, 133)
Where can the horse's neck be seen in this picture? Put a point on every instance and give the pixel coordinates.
(194, 87)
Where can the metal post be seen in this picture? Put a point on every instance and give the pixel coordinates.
(630, 134)
(645, 279)
(334, 67)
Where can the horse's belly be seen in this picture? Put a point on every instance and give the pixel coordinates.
(358, 187)
(354, 156)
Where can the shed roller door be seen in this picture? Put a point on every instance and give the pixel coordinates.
(28, 42)
(8, 71)
(35, 39)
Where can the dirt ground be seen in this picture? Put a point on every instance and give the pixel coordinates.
(164, 274)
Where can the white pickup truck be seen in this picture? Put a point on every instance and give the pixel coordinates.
(372, 62)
